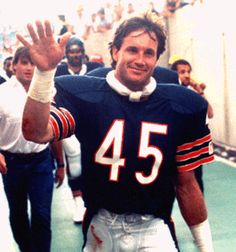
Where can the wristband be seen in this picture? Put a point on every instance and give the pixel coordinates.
(41, 87)
(202, 236)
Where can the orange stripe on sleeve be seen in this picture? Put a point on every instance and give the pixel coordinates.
(196, 164)
(187, 146)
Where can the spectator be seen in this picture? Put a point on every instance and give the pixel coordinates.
(184, 70)
(8, 71)
(171, 6)
(102, 24)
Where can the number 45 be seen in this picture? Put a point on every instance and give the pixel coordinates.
(114, 140)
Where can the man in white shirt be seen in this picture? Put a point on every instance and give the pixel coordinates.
(26, 167)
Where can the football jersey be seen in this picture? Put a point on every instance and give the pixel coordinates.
(131, 151)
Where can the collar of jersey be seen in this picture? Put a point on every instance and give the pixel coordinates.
(82, 71)
(123, 90)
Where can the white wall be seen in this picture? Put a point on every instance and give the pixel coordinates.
(204, 35)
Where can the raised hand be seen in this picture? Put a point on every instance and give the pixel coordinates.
(45, 51)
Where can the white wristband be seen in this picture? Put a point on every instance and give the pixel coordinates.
(41, 87)
(202, 236)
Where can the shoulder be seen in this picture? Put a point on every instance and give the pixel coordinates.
(86, 88)
(182, 100)
(62, 69)
(92, 65)
(99, 72)
(2, 80)
(79, 82)
(8, 90)
(165, 75)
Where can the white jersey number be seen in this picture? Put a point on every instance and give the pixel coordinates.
(114, 140)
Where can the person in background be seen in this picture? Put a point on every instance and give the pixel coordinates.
(7, 70)
(26, 167)
(138, 139)
(184, 69)
(75, 64)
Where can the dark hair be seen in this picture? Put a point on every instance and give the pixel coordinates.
(21, 52)
(75, 41)
(180, 62)
(136, 23)
(6, 59)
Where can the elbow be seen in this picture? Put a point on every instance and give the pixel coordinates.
(29, 132)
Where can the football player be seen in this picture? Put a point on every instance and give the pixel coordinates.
(140, 142)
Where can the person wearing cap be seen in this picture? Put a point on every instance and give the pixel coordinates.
(75, 64)
(75, 59)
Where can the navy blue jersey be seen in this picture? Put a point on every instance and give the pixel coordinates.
(62, 69)
(160, 74)
(131, 151)
(2, 80)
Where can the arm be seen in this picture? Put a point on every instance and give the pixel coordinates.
(57, 151)
(193, 210)
(46, 53)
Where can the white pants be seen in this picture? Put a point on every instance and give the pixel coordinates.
(109, 232)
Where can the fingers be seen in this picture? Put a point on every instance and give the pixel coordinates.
(48, 29)
(58, 181)
(42, 31)
(32, 32)
(22, 40)
(64, 39)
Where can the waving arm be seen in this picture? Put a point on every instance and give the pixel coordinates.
(45, 53)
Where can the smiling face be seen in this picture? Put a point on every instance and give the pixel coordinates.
(136, 59)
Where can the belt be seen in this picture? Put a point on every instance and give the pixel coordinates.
(23, 156)
(129, 218)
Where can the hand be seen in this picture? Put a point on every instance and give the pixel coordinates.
(45, 51)
(3, 166)
(59, 176)
(199, 88)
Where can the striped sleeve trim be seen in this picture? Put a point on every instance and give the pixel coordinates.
(193, 154)
(69, 118)
(55, 127)
(62, 122)
(196, 164)
(188, 146)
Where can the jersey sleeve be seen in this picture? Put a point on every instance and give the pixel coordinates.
(62, 117)
(62, 122)
(196, 148)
